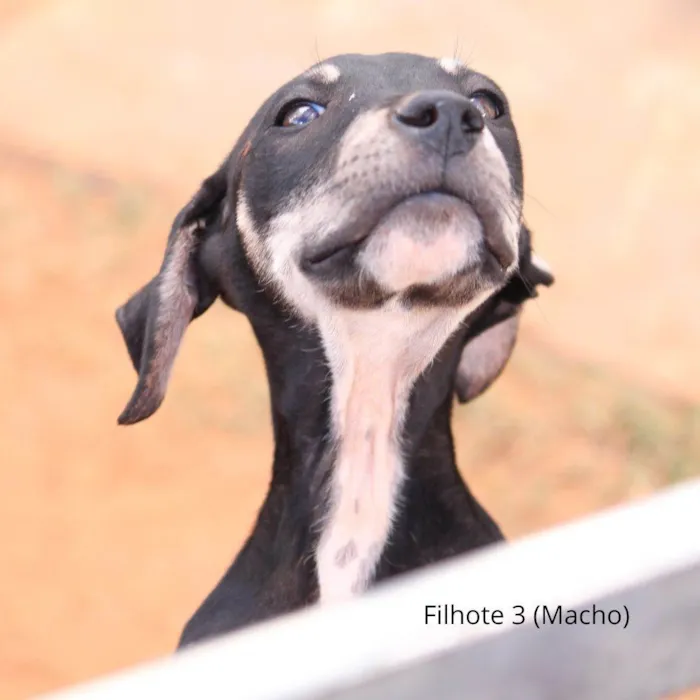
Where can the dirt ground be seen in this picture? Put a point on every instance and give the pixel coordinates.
(110, 537)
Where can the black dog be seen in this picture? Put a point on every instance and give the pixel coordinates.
(369, 224)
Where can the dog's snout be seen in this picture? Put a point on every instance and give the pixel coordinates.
(419, 112)
(438, 115)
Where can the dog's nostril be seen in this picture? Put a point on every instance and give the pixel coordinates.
(420, 117)
(472, 120)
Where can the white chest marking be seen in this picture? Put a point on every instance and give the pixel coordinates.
(375, 358)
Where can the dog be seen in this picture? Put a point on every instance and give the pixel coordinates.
(369, 224)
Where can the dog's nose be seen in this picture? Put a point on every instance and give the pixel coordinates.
(445, 120)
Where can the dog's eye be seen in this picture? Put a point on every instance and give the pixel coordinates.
(488, 104)
(300, 114)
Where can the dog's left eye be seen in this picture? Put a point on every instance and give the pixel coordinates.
(488, 104)
(300, 114)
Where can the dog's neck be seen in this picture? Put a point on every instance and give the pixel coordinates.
(364, 478)
(375, 358)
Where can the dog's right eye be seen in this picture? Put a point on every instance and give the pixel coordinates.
(299, 114)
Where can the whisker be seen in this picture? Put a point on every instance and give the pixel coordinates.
(470, 54)
(530, 288)
(319, 60)
(539, 203)
(511, 207)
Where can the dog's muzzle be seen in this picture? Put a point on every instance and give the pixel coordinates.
(431, 211)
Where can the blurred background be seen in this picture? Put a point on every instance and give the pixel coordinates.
(112, 111)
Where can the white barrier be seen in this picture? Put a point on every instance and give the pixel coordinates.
(641, 561)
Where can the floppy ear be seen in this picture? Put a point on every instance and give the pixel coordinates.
(491, 341)
(153, 321)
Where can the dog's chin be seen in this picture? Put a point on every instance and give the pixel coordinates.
(430, 249)
(426, 240)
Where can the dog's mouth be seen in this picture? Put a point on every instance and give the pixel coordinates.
(349, 240)
(436, 206)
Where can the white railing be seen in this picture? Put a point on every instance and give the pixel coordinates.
(639, 563)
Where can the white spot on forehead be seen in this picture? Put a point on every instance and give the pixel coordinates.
(326, 72)
(352, 97)
(451, 65)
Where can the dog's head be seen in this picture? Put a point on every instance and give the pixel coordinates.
(367, 181)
